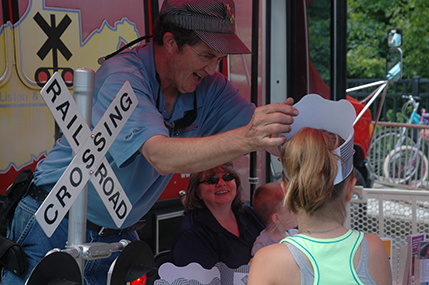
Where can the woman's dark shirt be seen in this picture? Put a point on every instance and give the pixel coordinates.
(201, 239)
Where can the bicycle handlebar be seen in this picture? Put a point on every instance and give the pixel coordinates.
(411, 97)
(412, 100)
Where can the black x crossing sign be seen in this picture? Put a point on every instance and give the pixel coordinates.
(54, 33)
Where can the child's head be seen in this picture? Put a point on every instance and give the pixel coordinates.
(318, 157)
(312, 167)
(268, 205)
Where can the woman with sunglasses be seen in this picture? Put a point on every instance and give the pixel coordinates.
(218, 227)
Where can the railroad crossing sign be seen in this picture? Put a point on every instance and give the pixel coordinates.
(90, 148)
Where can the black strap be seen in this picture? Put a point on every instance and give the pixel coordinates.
(104, 58)
(37, 193)
(5, 244)
(14, 194)
(12, 256)
(184, 122)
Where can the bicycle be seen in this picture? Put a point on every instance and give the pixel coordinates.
(406, 163)
(388, 140)
(383, 143)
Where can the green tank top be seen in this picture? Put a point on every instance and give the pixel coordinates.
(332, 259)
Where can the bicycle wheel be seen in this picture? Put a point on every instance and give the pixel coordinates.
(382, 144)
(397, 169)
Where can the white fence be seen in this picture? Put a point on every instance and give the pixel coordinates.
(390, 213)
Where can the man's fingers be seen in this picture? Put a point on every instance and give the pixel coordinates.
(289, 101)
(275, 142)
(262, 118)
(274, 128)
(268, 122)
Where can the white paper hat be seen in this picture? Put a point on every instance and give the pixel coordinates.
(333, 116)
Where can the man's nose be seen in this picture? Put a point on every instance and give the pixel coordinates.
(210, 68)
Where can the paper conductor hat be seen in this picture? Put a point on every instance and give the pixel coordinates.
(333, 116)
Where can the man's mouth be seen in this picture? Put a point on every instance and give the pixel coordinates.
(199, 78)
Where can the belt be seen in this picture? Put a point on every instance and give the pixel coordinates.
(40, 195)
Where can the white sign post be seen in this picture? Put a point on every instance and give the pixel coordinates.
(90, 148)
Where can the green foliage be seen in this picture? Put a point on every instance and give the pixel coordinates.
(367, 25)
(390, 117)
(319, 35)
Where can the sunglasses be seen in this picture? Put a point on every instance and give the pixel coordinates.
(214, 180)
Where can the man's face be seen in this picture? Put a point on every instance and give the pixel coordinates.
(190, 65)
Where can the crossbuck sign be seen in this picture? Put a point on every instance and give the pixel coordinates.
(90, 148)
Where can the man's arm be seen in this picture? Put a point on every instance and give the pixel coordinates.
(187, 155)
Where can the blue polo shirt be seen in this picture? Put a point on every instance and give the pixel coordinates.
(220, 108)
(201, 239)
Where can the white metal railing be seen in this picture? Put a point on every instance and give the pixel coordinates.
(393, 213)
(399, 155)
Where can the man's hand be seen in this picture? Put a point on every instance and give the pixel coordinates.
(269, 121)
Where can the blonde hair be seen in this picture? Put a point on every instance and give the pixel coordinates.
(312, 167)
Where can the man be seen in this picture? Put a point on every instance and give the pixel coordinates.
(189, 118)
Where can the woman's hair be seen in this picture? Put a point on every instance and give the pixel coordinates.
(182, 36)
(191, 201)
(312, 167)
